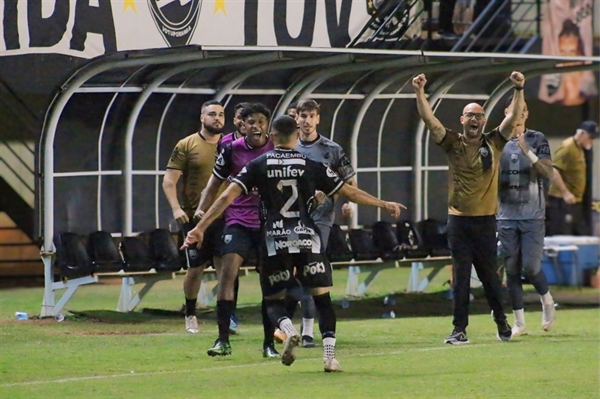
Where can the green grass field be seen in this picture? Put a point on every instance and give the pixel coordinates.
(101, 354)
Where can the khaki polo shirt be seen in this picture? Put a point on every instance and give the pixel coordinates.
(473, 173)
(569, 159)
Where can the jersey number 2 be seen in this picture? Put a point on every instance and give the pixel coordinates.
(285, 209)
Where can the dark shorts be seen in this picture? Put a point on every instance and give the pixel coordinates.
(521, 245)
(286, 271)
(211, 246)
(243, 241)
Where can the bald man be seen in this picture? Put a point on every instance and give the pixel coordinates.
(474, 160)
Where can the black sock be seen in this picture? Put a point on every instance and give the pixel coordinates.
(224, 311)
(275, 310)
(308, 306)
(236, 288)
(327, 319)
(291, 304)
(190, 306)
(268, 328)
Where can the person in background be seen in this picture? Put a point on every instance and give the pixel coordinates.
(564, 211)
(525, 173)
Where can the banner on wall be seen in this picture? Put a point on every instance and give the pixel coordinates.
(90, 28)
(567, 31)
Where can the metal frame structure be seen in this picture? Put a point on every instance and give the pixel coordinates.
(360, 74)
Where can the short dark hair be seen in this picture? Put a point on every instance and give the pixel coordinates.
(240, 105)
(570, 28)
(284, 126)
(293, 105)
(209, 103)
(308, 105)
(255, 108)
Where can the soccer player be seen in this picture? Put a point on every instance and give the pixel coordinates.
(330, 153)
(193, 158)
(525, 173)
(474, 160)
(241, 236)
(287, 181)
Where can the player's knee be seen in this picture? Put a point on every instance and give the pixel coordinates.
(194, 273)
(316, 291)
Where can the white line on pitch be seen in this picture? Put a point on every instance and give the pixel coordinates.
(151, 373)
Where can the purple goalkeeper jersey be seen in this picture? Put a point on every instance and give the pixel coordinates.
(231, 160)
(228, 138)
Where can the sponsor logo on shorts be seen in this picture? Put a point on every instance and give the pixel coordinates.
(302, 229)
(306, 243)
(278, 224)
(227, 238)
(279, 233)
(314, 268)
(279, 277)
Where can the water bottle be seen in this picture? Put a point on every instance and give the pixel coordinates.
(389, 315)
(21, 316)
(345, 304)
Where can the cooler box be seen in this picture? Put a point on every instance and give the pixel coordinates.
(566, 258)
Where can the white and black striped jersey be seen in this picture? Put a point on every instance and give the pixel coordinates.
(286, 181)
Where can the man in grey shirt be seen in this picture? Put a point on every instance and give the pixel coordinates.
(328, 152)
(525, 173)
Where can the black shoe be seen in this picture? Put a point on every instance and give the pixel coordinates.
(504, 329)
(269, 351)
(457, 337)
(220, 348)
(307, 342)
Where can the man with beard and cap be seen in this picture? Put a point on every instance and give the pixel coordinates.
(474, 160)
(193, 159)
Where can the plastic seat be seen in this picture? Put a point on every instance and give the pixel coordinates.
(163, 250)
(337, 246)
(135, 254)
(434, 234)
(72, 259)
(104, 252)
(362, 245)
(410, 240)
(386, 242)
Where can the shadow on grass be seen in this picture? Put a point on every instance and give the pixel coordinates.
(403, 305)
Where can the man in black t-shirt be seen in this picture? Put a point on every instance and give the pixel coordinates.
(287, 182)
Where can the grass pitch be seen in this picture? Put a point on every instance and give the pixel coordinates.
(97, 353)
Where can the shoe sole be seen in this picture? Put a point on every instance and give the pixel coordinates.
(518, 334)
(191, 331)
(503, 339)
(279, 338)
(212, 353)
(309, 345)
(289, 350)
(271, 356)
(332, 370)
(456, 342)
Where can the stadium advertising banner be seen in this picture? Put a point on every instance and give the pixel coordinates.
(90, 28)
(567, 31)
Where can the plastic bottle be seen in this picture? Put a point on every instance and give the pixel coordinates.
(389, 301)
(21, 316)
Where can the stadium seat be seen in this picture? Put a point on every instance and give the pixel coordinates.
(386, 242)
(135, 254)
(362, 245)
(410, 239)
(163, 250)
(337, 246)
(435, 236)
(104, 253)
(72, 260)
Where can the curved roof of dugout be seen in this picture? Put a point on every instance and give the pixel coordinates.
(222, 73)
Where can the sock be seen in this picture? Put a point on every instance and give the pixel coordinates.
(275, 310)
(328, 347)
(290, 304)
(327, 319)
(236, 288)
(190, 307)
(286, 325)
(546, 299)
(268, 328)
(308, 327)
(540, 283)
(224, 311)
(519, 317)
(308, 305)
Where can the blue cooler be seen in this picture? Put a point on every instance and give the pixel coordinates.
(566, 258)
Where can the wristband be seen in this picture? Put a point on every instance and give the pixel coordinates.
(532, 157)
(518, 88)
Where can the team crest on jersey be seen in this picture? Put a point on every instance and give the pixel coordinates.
(514, 158)
(331, 173)
(176, 20)
(227, 238)
(484, 151)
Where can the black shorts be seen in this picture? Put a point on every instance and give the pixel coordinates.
(286, 271)
(241, 240)
(211, 246)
